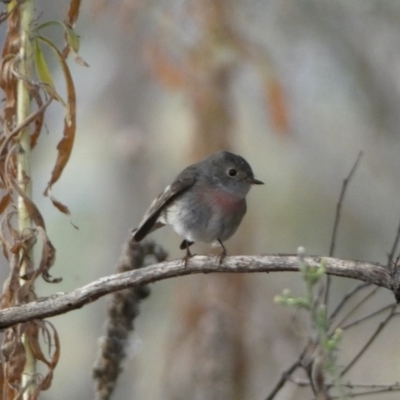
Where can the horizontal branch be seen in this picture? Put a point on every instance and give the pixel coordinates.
(60, 303)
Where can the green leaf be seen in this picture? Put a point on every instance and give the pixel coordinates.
(72, 39)
(43, 72)
(47, 24)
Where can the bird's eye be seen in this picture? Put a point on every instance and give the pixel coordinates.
(232, 172)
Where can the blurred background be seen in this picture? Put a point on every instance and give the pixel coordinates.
(298, 88)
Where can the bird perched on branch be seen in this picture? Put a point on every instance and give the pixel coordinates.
(205, 203)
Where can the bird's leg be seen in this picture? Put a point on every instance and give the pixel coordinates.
(185, 245)
(222, 255)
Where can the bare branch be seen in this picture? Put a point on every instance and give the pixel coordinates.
(388, 389)
(63, 302)
(284, 377)
(361, 303)
(347, 297)
(382, 325)
(372, 388)
(368, 317)
(394, 247)
(337, 219)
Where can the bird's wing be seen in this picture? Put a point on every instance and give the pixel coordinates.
(183, 182)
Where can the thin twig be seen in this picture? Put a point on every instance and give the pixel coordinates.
(370, 386)
(394, 247)
(347, 297)
(355, 308)
(337, 220)
(368, 393)
(369, 316)
(306, 382)
(284, 377)
(370, 341)
(393, 266)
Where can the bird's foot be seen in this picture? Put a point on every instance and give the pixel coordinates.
(222, 255)
(188, 256)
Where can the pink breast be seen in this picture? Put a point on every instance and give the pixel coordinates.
(225, 201)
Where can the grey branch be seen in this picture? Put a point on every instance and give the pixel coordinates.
(60, 303)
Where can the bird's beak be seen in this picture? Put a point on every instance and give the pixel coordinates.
(255, 181)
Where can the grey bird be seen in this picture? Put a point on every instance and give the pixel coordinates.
(205, 203)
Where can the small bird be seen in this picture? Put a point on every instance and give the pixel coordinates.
(205, 203)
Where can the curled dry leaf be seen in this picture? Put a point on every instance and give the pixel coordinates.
(39, 120)
(47, 259)
(14, 355)
(61, 207)
(33, 211)
(72, 45)
(73, 12)
(51, 338)
(31, 118)
(48, 250)
(10, 50)
(31, 207)
(4, 202)
(6, 232)
(8, 84)
(10, 286)
(65, 146)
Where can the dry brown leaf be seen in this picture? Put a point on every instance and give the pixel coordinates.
(4, 202)
(52, 339)
(15, 358)
(13, 232)
(39, 120)
(10, 286)
(70, 21)
(32, 334)
(8, 84)
(9, 55)
(29, 119)
(73, 12)
(34, 212)
(47, 259)
(64, 147)
(61, 207)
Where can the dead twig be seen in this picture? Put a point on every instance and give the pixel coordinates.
(346, 298)
(394, 247)
(373, 273)
(369, 316)
(284, 377)
(355, 308)
(378, 330)
(337, 220)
